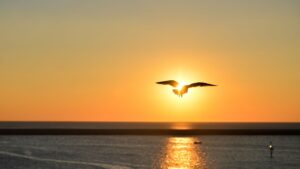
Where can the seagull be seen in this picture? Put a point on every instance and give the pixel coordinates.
(184, 89)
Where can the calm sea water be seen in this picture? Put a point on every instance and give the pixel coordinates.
(89, 152)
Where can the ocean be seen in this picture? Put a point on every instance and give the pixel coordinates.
(146, 152)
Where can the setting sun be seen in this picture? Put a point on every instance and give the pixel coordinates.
(181, 85)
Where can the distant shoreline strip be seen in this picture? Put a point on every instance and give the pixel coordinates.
(149, 132)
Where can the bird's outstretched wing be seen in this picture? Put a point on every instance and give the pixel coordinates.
(169, 82)
(201, 84)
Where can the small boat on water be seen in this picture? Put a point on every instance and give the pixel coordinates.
(197, 142)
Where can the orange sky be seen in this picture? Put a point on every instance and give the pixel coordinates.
(99, 60)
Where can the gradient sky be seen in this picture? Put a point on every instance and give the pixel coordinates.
(93, 60)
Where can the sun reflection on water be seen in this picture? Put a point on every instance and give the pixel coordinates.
(182, 153)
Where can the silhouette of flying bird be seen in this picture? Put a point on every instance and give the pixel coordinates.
(185, 88)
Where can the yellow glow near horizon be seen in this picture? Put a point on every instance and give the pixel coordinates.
(179, 108)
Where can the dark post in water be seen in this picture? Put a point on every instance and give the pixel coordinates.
(271, 149)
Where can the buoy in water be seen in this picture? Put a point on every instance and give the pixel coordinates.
(271, 148)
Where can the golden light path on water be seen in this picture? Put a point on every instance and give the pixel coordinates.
(182, 153)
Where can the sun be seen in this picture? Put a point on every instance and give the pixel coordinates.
(180, 85)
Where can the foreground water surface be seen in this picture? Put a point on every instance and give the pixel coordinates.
(168, 152)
